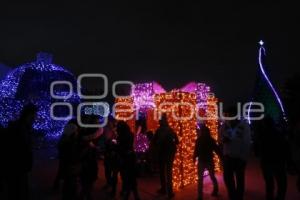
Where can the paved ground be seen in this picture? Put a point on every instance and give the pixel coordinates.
(45, 168)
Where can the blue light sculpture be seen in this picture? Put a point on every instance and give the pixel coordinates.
(31, 83)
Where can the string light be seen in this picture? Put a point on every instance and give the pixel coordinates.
(31, 83)
(213, 125)
(184, 169)
(141, 144)
(181, 107)
(261, 53)
(124, 111)
(151, 121)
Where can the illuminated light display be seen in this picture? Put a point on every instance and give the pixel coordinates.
(184, 169)
(265, 91)
(31, 83)
(202, 92)
(143, 94)
(124, 111)
(141, 143)
(185, 102)
(213, 124)
(262, 51)
(151, 122)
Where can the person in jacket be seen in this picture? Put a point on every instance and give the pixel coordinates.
(205, 148)
(166, 141)
(272, 149)
(70, 129)
(18, 162)
(89, 159)
(235, 140)
(128, 164)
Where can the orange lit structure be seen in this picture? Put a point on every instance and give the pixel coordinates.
(182, 108)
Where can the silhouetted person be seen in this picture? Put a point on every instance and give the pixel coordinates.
(128, 165)
(2, 143)
(89, 159)
(204, 149)
(272, 150)
(166, 141)
(141, 141)
(110, 157)
(141, 146)
(149, 156)
(70, 129)
(18, 159)
(70, 154)
(235, 139)
(295, 147)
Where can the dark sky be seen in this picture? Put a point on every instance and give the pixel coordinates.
(172, 43)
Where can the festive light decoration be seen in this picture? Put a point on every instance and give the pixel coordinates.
(31, 83)
(143, 95)
(151, 122)
(213, 124)
(3, 70)
(184, 169)
(141, 144)
(124, 111)
(265, 91)
(150, 100)
(202, 91)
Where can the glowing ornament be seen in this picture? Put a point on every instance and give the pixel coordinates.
(31, 83)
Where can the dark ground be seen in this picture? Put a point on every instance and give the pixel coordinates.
(45, 168)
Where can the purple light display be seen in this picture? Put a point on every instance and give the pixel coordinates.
(141, 144)
(143, 93)
(143, 96)
(31, 83)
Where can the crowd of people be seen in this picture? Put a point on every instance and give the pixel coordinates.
(78, 155)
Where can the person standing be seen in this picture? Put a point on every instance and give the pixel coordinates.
(235, 140)
(18, 162)
(295, 147)
(70, 154)
(204, 149)
(272, 149)
(89, 160)
(128, 165)
(110, 162)
(2, 144)
(70, 129)
(166, 141)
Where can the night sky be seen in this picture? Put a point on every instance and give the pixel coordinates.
(172, 43)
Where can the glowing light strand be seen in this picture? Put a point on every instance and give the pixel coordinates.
(262, 51)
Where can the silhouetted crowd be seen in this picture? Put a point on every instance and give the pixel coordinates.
(128, 155)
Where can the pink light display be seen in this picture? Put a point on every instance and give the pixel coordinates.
(148, 98)
(143, 95)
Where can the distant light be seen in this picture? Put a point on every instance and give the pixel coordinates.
(261, 43)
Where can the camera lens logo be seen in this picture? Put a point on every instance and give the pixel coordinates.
(96, 107)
